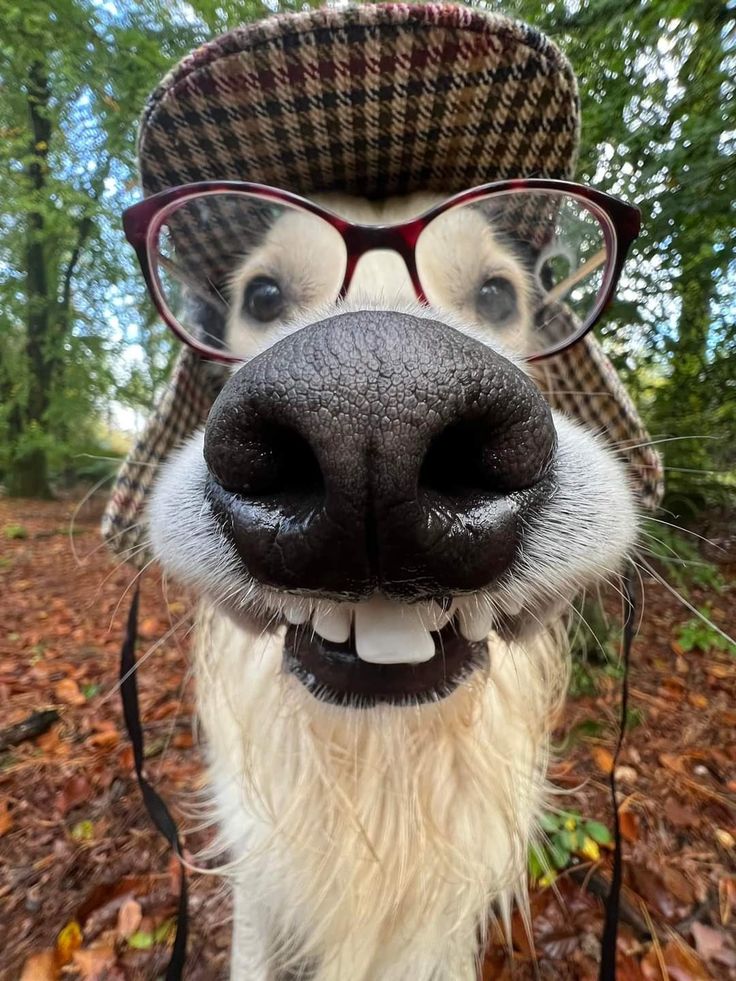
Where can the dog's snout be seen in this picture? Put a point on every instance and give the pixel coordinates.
(378, 451)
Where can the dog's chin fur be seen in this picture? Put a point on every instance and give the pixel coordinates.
(371, 844)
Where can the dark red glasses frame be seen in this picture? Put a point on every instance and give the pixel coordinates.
(142, 222)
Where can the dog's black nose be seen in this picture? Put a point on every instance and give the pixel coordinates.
(378, 450)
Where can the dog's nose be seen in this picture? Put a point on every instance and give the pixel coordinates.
(378, 451)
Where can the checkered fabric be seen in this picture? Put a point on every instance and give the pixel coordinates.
(373, 100)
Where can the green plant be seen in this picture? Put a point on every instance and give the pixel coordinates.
(594, 645)
(568, 836)
(697, 635)
(15, 531)
(678, 556)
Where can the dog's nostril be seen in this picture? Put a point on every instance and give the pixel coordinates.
(274, 460)
(471, 457)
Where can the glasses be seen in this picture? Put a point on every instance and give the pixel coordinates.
(531, 262)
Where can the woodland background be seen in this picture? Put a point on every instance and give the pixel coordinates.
(82, 361)
(80, 348)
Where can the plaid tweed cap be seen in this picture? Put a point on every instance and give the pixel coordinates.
(375, 100)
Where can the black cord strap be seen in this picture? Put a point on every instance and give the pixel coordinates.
(157, 809)
(610, 928)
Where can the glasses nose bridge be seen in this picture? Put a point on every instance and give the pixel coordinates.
(401, 239)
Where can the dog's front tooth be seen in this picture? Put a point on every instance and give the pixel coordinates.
(476, 623)
(387, 632)
(333, 622)
(432, 615)
(296, 611)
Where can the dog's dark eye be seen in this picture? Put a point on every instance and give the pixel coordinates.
(496, 301)
(263, 299)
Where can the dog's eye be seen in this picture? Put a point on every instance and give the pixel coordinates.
(496, 300)
(263, 299)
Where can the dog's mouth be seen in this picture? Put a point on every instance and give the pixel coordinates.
(334, 672)
(380, 651)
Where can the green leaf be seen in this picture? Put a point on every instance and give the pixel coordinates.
(598, 832)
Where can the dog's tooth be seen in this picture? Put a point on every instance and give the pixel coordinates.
(475, 622)
(296, 611)
(333, 622)
(387, 632)
(512, 607)
(432, 616)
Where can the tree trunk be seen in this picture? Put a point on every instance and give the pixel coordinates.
(28, 475)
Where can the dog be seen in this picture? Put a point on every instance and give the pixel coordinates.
(384, 518)
(371, 840)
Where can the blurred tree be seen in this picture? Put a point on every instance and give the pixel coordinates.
(659, 118)
(657, 80)
(75, 75)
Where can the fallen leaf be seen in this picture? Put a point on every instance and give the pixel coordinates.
(129, 918)
(41, 967)
(680, 815)
(629, 823)
(6, 820)
(67, 691)
(104, 740)
(697, 700)
(69, 939)
(94, 963)
(603, 758)
(83, 831)
(680, 961)
(149, 628)
(76, 791)
(626, 774)
(714, 945)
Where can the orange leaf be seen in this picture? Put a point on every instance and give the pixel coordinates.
(6, 821)
(68, 691)
(629, 823)
(104, 740)
(150, 629)
(603, 758)
(41, 967)
(697, 700)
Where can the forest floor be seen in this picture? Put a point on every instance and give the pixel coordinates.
(88, 888)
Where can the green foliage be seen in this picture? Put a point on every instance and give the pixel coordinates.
(657, 85)
(13, 532)
(567, 837)
(78, 338)
(595, 644)
(700, 635)
(678, 555)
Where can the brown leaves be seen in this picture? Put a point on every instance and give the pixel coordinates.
(67, 691)
(675, 961)
(6, 820)
(76, 791)
(714, 946)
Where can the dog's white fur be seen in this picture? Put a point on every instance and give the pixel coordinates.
(371, 844)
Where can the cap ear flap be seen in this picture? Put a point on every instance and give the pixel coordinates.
(582, 383)
(183, 408)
